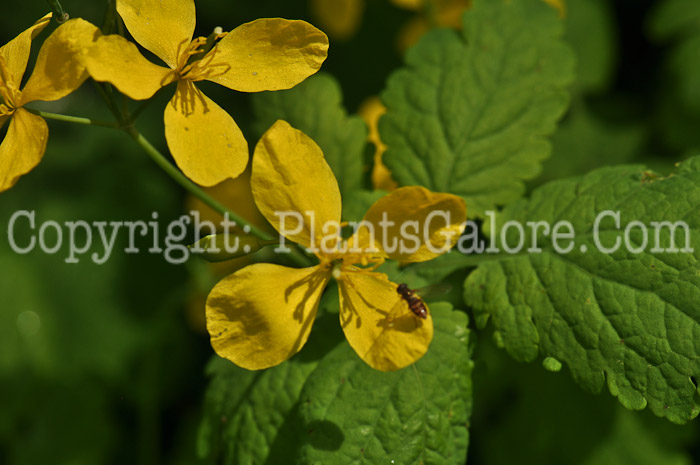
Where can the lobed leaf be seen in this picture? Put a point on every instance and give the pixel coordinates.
(327, 406)
(625, 319)
(470, 112)
(354, 414)
(250, 416)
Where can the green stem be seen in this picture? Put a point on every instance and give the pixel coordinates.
(73, 119)
(181, 179)
(107, 100)
(109, 17)
(58, 13)
(296, 256)
(195, 190)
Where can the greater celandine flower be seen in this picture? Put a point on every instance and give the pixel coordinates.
(262, 314)
(265, 54)
(58, 72)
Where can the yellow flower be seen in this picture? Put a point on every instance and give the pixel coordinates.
(371, 110)
(339, 18)
(57, 73)
(261, 315)
(266, 54)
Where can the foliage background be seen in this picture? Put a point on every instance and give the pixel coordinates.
(116, 371)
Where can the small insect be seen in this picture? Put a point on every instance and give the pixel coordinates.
(415, 303)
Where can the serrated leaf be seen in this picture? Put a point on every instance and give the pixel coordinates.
(469, 113)
(628, 320)
(275, 415)
(358, 415)
(251, 416)
(245, 411)
(315, 107)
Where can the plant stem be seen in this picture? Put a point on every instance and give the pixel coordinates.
(73, 119)
(195, 190)
(109, 17)
(181, 179)
(58, 13)
(296, 256)
(107, 100)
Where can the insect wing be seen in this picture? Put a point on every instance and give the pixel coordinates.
(433, 290)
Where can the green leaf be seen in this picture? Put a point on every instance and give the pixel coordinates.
(470, 112)
(245, 411)
(355, 205)
(315, 107)
(251, 417)
(355, 414)
(625, 319)
(325, 405)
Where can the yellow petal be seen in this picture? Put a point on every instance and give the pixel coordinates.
(381, 175)
(419, 225)
(164, 27)
(15, 53)
(290, 174)
(115, 60)
(59, 68)
(268, 54)
(204, 140)
(408, 4)
(23, 147)
(261, 315)
(378, 323)
(371, 110)
(339, 18)
(411, 32)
